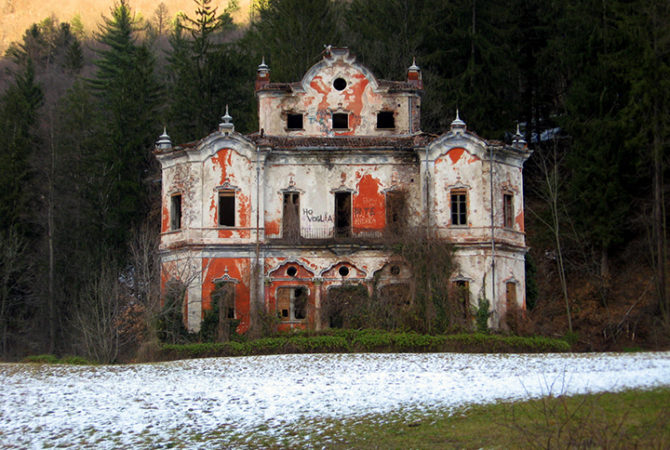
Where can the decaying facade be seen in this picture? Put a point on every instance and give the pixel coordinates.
(279, 217)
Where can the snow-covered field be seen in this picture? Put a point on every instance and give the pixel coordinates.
(148, 405)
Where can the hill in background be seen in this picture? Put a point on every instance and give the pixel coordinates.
(18, 15)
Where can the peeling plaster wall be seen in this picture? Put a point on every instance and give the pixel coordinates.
(317, 98)
(317, 271)
(318, 175)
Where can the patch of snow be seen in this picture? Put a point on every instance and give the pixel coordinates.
(146, 404)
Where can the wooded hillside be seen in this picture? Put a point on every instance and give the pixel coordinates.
(589, 86)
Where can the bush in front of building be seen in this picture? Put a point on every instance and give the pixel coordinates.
(348, 341)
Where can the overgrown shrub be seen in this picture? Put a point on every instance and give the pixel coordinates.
(170, 322)
(342, 341)
(41, 359)
(517, 321)
(482, 314)
(346, 306)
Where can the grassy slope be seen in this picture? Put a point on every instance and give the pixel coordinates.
(631, 419)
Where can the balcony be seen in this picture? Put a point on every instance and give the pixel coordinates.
(323, 235)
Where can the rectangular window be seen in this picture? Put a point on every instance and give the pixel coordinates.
(342, 214)
(223, 307)
(294, 121)
(175, 212)
(291, 219)
(459, 213)
(385, 120)
(292, 303)
(461, 290)
(395, 211)
(341, 121)
(508, 210)
(227, 208)
(511, 293)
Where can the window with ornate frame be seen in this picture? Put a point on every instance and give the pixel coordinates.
(459, 207)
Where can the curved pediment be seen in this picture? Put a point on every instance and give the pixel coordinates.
(338, 63)
(471, 143)
(291, 269)
(343, 270)
(209, 146)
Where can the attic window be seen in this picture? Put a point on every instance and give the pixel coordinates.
(341, 121)
(294, 121)
(385, 119)
(340, 84)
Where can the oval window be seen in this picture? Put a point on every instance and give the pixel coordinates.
(339, 84)
(291, 271)
(344, 271)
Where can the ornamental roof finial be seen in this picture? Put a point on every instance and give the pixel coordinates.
(457, 126)
(262, 67)
(227, 125)
(164, 141)
(518, 139)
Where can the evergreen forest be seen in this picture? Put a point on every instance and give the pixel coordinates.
(80, 110)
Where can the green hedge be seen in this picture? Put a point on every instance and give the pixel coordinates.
(53, 359)
(346, 341)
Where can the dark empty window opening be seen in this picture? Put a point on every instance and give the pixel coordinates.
(459, 214)
(175, 212)
(342, 214)
(385, 119)
(294, 121)
(291, 271)
(461, 289)
(223, 305)
(299, 303)
(291, 217)
(340, 84)
(340, 121)
(227, 208)
(292, 303)
(508, 210)
(395, 211)
(395, 270)
(343, 271)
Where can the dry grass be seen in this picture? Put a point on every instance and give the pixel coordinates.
(631, 419)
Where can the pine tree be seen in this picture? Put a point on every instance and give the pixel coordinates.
(18, 141)
(128, 96)
(595, 98)
(291, 34)
(646, 65)
(206, 74)
(464, 48)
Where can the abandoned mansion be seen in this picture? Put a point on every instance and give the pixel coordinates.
(280, 219)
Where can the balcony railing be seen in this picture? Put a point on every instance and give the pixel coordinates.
(312, 234)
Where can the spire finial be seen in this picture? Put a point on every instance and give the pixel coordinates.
(518, 139)
(414, 67)
(164, 141)
(263, 67)
(227, 125)
(457, 126)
